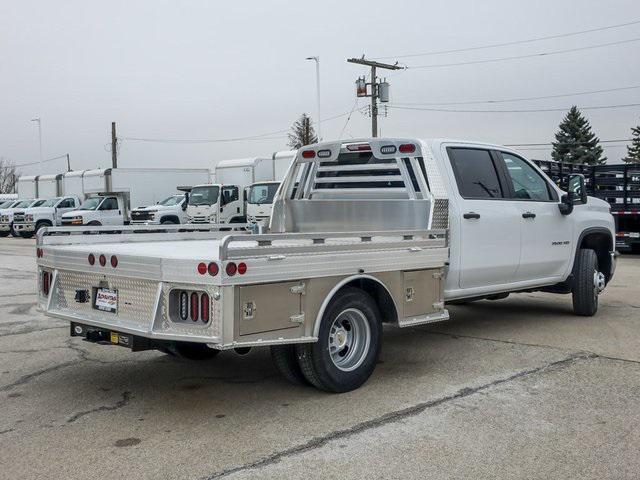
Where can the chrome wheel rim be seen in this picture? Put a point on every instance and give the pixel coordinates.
(349, 339)
(599, 282)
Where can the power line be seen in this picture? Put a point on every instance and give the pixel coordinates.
(263, 136)
(531, 55)
(43, 161)
(549, 143)
(533, 110)
(516, 42)
(521, 99)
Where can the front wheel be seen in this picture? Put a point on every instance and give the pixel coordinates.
(588, 283)
(26, 234)
(4, 234)
(348, 345)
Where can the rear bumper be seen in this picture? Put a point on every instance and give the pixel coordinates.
(24, 227)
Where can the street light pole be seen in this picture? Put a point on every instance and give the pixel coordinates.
(317, 60)
(38, 120)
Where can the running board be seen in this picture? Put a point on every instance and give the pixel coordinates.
(431, 318)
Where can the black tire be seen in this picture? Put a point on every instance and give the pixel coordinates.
(193, 351)
(4, 234)
(13, 232)
(169, 222)
(585, 292)
(356, 310)
(26, 234)
(285, 359)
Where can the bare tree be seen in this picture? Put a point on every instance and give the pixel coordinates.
(302, 132)
(7, 176)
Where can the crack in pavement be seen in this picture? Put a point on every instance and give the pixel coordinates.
(30, 330)
(126, 397)
(513, 342)
(30, 376)
(391, 417)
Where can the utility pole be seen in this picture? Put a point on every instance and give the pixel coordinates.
(317, 60)
(379, 90)
(68, 164)
(38, 120)
(114, 146)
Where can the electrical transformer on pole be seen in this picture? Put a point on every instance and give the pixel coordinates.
(378, 89)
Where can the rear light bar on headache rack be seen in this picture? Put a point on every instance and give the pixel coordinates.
(359, 147)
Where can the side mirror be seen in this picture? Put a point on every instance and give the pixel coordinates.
(566, 204)
(577, 187)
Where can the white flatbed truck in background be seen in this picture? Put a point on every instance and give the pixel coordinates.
(363, 232)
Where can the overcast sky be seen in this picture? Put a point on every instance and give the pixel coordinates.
(219, 70)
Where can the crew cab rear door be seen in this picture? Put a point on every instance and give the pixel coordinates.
(484, 219)
(546, 233)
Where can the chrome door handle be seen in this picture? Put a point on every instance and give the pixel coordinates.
(276, 257)
(471, 215)
(528, 215)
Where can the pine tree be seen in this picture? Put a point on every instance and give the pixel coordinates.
(575, 142)
(633, 150)
(302, 132)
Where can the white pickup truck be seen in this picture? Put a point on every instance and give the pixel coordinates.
(7, 215)
(363, 233)
(171, 210)
(28, 221)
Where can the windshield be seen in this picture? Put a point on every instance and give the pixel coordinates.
(37, 203)
(262, 193)
(5, 204)
(50, 203)
(172, 200)
(90, 204)
(204, 195)
(23, 204)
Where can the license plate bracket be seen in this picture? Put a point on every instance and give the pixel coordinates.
(105, 300)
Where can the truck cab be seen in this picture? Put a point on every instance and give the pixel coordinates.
(48, 214)
(216, 203)
(260, 201)
(98, 210)
(170, 210)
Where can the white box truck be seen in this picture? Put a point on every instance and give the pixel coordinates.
(261, 193)
(27, 186)
(112, 193)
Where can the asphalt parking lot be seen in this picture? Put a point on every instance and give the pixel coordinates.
(517, 388)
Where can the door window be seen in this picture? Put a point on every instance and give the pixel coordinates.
(528, 184)
(66, 203)
(109, 204)
(475, 173)
(230, 194)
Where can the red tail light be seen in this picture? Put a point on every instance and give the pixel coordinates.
(204, 307)
(92, 259)
(242, 268)
(202, 268)
(194, 306)
(103, 260)
(407, 148)
(359, 147)
(213, 269)
(231, 269)
(114, 261)
(45, 283)
(308, 154)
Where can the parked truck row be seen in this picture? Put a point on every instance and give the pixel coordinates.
(242, 190)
